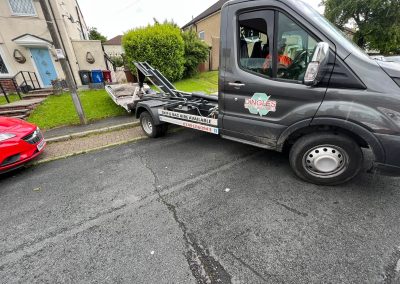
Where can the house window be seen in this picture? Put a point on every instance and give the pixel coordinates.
(22, 7)
(3, 67)
(202, 35)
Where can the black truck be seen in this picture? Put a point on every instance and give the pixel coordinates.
(289, 80)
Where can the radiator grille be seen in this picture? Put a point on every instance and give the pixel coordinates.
(34, 138)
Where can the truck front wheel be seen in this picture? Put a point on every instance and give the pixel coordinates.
(151, 130)
(326, 159)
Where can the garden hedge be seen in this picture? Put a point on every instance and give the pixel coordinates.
(161, 45)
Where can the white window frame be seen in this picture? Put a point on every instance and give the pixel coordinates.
(5, 75)
(202, 35)
(23, 14)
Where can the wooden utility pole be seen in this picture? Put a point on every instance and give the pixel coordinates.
(67, 71)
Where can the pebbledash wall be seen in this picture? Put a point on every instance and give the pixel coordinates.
(23, 28)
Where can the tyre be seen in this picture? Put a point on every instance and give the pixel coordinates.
(326, 159)
(151, 130)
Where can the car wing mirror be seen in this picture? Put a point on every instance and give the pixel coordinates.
(317, 67)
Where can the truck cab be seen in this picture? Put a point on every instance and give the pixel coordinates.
(290, 81)
(266, 49)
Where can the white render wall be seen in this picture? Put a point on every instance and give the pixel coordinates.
(12, 26)
(81, 48)
(113, 50)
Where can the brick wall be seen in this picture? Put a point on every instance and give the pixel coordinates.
(211, 28)
(8, 85)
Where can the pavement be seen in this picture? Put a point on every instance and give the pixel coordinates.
(193, 208)
(68, 141)
(88, 143)
(99, 124)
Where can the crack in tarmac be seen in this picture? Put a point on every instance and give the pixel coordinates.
(295, 211)
(32, 248)
(204, 267)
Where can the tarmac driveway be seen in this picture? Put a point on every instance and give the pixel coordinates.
(193, 208)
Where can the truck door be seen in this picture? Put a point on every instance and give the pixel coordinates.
(263, 91)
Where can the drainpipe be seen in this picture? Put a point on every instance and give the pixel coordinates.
(83, 18)
(209, 59)
(80, 23)
(61, 39)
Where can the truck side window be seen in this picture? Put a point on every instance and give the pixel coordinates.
(295, 49)
(254, 43)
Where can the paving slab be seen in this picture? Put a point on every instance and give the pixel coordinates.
(22, 103)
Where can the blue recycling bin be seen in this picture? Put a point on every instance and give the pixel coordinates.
(97, 76)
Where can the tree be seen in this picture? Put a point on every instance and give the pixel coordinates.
(378, 22)
(196, 52)
(94, 34)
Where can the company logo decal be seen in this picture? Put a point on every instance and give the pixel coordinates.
(260, 104)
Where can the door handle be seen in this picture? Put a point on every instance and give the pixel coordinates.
(236, 84)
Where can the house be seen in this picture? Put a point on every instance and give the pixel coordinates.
(27, 46)
(207, 25)
(113, 47)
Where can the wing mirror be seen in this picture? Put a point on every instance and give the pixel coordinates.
(317, 67)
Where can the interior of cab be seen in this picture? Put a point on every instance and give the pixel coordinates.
(295, 48)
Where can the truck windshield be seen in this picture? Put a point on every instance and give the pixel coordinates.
(339, 36)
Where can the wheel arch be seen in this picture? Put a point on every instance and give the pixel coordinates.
(139, 111)
(153, 111)
(363, 136)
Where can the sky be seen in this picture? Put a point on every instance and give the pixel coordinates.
(122, 15)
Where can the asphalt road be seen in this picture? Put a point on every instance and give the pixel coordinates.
(193, 208)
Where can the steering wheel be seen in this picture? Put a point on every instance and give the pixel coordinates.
(282, 70)
(301, 57)
(298, 64)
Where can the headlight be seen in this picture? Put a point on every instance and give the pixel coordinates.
(6, 136)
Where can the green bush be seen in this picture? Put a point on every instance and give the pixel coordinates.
(118, 61)
(160, 45)
(196, 52)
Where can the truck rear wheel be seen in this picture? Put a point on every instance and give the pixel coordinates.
(151, 130)
(326, 159)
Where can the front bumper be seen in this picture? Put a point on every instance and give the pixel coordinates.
(391, 165)
(17, 151)
(20, 163)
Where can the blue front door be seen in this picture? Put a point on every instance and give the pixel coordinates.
(44, 64)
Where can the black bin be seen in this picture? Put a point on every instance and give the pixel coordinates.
(85, 77)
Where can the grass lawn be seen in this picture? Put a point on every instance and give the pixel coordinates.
(206, 82)
(58, 110)
(12, 98)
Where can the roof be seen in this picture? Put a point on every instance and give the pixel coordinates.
(114, 41)
(214, 8)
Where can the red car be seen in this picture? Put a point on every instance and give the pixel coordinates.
(20, 142)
